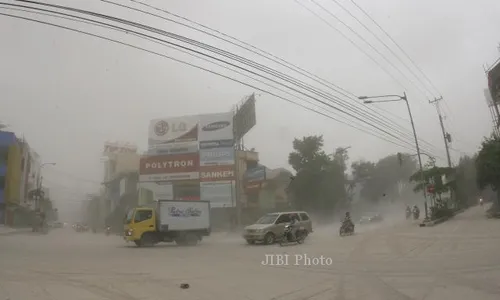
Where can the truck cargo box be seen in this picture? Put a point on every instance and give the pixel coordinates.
(181, 215)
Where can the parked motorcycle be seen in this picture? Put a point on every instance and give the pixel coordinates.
(287, 238)
(347, 228)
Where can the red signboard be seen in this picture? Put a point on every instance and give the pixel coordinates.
(217, 173)
(161, 164)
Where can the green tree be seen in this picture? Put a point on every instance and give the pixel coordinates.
(488, 165)
(434, 176)
(319, 184)
(383, 177)
(465, 183)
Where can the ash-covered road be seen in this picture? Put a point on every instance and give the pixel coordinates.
(459, 259)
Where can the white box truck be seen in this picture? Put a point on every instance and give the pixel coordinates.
(182, 221)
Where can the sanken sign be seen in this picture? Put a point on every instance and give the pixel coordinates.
(217, 175)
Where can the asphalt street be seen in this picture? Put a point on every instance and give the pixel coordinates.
(459, 259)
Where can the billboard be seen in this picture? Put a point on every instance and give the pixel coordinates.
(245, 118)
(256, 174)
(173, 148)
(216, 156)
(219, 193)
(169, 167)
(173, 130)
(217, 173)
(215, 127)
(494, 82)
(119, 147)
(216, 144)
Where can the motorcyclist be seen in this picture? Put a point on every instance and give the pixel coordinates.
(347, 220)
(416, 210)
(294, 222)
(408, 211)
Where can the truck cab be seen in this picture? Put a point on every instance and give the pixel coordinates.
(139, 222)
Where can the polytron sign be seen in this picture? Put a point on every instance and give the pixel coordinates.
(217, 173)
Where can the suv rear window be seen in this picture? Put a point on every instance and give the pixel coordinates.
(304, 216)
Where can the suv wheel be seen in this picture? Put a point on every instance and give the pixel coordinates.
(269, 239)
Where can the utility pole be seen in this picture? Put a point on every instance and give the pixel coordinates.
(446, 138)
(446, 135)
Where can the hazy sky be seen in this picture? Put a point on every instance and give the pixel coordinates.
(67, 93)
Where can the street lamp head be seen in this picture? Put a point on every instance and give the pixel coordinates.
(362, 97)
(367, 101)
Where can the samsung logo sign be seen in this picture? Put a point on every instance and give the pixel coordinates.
(216, 126)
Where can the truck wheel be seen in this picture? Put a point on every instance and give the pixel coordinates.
(269, 239)
(147, 240)
(138, 243)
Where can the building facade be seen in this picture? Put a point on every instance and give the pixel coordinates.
(10, 175)
(119, 159)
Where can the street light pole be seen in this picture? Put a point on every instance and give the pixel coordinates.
(405, 98)
(418, 151)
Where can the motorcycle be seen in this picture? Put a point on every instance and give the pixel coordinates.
(287, 238)
(408, 213)
(108, 230)
(347, 228)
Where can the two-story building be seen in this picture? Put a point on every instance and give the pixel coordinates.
(10, 176)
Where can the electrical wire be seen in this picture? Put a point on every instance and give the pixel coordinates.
(436, 90)
(204, 69)
(386, 46)
(141, 26)
(269, 56)
(226, 54)
(369, 45)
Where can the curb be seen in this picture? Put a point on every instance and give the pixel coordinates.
(15, 231)
(435, 222)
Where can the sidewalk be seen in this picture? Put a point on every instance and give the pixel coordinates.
(5, 230)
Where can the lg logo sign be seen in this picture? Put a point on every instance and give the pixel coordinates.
(162, 128)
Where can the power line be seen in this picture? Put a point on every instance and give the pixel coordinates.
(369, 44)
(205, 69)
(210, 48)
(402, 51)
(397, 45)
(219, 51)
(352, 42)
(259, 52)
(385, 45)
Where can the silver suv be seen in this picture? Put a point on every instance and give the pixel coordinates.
(271, 226)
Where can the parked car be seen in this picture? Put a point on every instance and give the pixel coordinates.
(270, 227)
